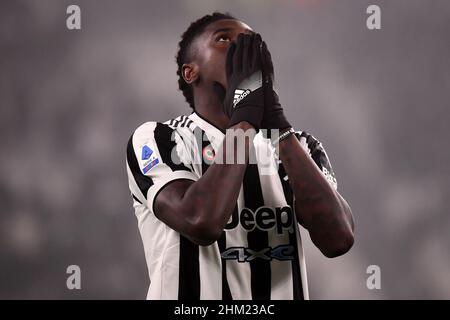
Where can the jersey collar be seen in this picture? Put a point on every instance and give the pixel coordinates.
(206, 126)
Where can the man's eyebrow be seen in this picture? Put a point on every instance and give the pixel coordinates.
(221, 30)
(228, 29)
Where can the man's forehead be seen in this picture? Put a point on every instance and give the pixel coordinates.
(216, 26)
(227, 24)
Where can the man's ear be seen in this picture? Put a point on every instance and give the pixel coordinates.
(190, 72)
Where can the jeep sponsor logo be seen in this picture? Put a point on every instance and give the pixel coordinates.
(264, 218)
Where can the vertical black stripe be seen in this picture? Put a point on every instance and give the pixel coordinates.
(297, 285)
(164, 142)
(226, 293)
(257, 239)
(189, 275)
(143, 182)
(295, 264)
(203, 142)
(189, 264)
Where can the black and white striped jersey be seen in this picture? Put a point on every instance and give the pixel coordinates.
(258, 256)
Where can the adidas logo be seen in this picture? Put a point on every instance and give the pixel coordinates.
(239, 95)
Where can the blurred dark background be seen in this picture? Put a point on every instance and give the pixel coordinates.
(69, 100)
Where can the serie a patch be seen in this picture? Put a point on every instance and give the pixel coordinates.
(150, 158)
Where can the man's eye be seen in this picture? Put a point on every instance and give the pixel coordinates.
(222, 38)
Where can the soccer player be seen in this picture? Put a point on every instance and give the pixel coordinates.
(219, 229)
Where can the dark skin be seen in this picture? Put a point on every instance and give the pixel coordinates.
(200, 210)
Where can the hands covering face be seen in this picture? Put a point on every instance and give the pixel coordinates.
(250, 96)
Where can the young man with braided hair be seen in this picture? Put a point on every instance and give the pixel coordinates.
(215, 229)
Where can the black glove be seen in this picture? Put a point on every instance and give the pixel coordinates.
(244, 99)
(274, 117)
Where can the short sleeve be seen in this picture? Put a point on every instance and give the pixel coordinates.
(318, 154)
(156, 155)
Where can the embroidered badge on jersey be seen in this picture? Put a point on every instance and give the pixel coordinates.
(208, 154)
(150, 157)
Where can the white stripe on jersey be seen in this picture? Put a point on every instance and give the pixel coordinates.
(302, 259)
(211, 272)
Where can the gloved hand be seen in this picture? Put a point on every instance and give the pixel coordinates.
(274, 117)
(244, 99)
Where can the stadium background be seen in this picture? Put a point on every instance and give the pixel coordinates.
(69, 100)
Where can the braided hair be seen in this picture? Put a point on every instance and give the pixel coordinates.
(195, 29)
